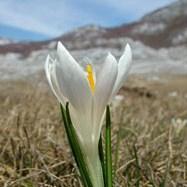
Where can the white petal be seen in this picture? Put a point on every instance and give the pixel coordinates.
(72, 80)
(74, 84)
(51, 77)
(105, 81)
(123, 68)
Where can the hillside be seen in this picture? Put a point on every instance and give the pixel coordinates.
(164, 27)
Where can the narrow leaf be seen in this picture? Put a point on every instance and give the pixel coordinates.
(75, 147)
(108, 149)
(102, 159)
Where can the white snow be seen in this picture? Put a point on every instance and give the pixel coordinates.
(4, 41)
(180, 37)
(149, 28)
(145, 60)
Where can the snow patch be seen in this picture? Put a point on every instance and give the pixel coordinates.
(180, 37)
(149, 28)
(146, 60)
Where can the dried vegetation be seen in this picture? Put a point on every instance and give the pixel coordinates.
(151, 127)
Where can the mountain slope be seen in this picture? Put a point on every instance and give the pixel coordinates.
(164, 27)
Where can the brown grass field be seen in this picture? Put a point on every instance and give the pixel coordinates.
(150, 122)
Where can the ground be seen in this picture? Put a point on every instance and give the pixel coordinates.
(149, 118)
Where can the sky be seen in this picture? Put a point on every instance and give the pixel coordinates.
(43, 19)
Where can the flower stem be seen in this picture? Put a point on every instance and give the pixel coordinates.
(102, 158)
(75, 147)
(108, 149)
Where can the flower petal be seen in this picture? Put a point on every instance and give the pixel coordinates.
(123, 68)
(74, 84)
(51, 77)
(105, 81)
(72, 80)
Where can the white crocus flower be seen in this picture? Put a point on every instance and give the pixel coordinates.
(88, 92)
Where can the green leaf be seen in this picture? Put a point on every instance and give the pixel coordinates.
(75, 147)
(102, 159)
(108, 149)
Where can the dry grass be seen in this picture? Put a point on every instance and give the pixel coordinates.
(34, 151)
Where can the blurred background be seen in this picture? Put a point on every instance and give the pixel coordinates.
(155, 30)
(151, 105)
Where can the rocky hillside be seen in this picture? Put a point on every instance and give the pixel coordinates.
(164, 27)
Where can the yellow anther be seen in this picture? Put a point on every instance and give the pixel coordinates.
(90, 77)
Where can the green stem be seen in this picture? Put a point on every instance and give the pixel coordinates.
(108, 149)
(75, 147)
(102, 159)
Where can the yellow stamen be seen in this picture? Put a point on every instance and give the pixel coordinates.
(90, 77)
